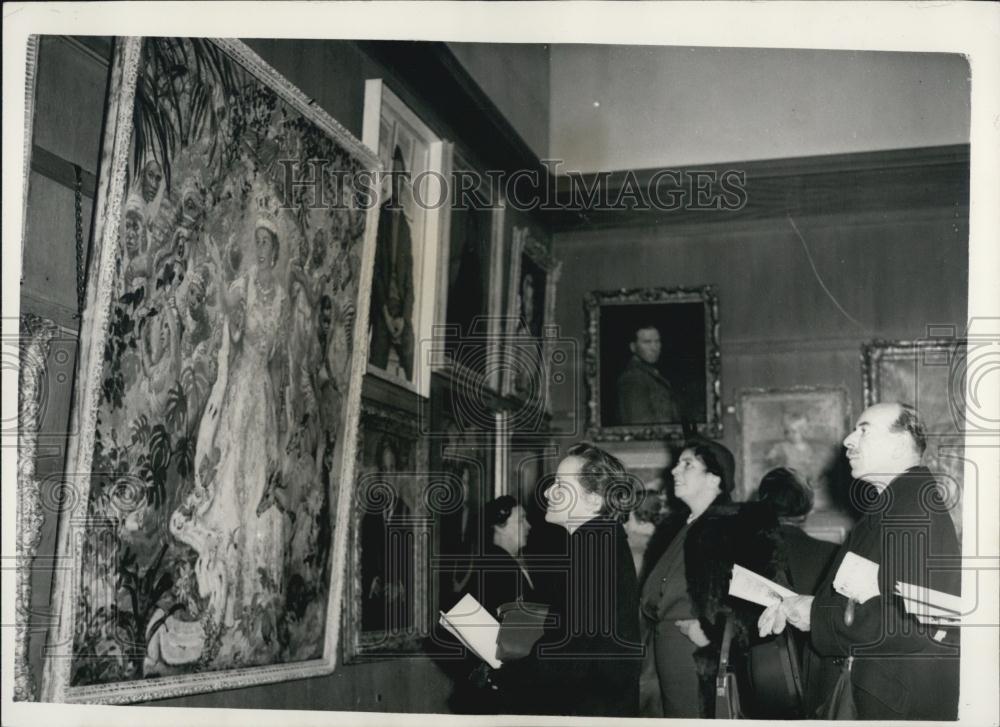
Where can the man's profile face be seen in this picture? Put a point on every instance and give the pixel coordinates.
(647, 345)
(873, 449)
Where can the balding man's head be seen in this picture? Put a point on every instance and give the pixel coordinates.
(887, 440)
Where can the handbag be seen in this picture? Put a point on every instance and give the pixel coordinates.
(727, 694)
(841, 704)
(521, 625)
(774, 679)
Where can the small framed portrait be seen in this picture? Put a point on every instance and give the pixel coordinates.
(801, 428)
(929, 375)
(531, 298)
(387, 605)
(408, 240)
(653, 363)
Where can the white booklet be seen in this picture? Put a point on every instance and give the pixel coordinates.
(756, 588)
(857, 578)
(930, 606)
(473, 625)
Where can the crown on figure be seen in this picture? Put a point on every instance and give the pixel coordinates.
(266, 215)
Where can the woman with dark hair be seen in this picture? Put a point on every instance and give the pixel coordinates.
(495, 578)
(703, 477)
(808, 560)
(792, 501)
(588, 660)
(500, 576)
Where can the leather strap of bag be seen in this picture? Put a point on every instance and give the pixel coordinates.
(727, 641)
(727, 699)
(790, 668)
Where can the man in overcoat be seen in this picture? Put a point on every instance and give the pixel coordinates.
(898, 668)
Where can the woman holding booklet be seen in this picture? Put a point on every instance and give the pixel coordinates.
(496, 577)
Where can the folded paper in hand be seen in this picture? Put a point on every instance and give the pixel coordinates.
(473, 625)
(930, 606)
(857, 578)
(756, 588)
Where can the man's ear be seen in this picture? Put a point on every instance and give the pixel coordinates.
(631, 347)
(594, 499)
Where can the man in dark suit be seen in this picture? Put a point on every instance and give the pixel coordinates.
(898, 668)
(644, 396)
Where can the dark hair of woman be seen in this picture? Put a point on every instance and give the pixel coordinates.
(717, 460)
(497, 511)
(787, 494)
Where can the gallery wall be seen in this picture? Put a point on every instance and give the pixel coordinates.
(895, 273)
(71, 95)
(699, 105)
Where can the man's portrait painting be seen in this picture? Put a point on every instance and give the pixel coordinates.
(653, 363)
(799, 428)
(219, 384)
(402, 298)
(387, 597)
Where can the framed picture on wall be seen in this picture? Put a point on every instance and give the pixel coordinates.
(219, 385)
(653, 363)
(801, 428)
(406, 251)
(463, 479)
(528, 345)
(386, 610)
(472, 282)
(929, 375)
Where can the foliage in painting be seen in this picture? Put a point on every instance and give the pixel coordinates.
(225, 374)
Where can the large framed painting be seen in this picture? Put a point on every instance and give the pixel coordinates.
(471, 274)
(653, 363)
(30, 84)
(219, 383)
(386, 610)
(411, 201)
(464, 477)
(801, 428)
(929, 375)
(531, 332)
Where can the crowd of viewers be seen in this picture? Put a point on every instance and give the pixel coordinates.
(626, 641)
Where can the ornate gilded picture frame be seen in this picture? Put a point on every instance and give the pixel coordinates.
(223, 349)
(653, 363)
(386, 608)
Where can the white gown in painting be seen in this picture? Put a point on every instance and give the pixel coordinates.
(236, 530)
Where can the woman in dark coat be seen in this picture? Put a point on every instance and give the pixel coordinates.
(685, 596)
(587, 662)
(496, 577)
(703, 477)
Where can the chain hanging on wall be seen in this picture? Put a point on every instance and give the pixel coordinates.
(81, 281)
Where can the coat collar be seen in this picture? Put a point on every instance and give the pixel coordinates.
(913, 492)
